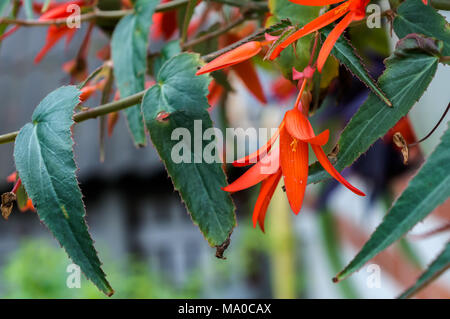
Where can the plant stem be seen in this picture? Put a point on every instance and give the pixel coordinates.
(441, 4)
(115, 14)
(214, 34)
(91, 113)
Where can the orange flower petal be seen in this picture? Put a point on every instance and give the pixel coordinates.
(111, 122)
(12, 177)
(247, 73)
(298, 126)
(294, 167)
(268, 187)
(257, 173)
(240, 54)
(317, 3)
(323, 159)
(256, 156)
(316, 24)
(29, 206)
(54, 34)
(331, 40)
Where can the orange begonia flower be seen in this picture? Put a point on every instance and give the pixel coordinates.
(289, 160)
(233, 57)
(352, 10)
(55, 33)
(238, 60)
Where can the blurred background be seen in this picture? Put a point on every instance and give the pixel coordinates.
(144, 236)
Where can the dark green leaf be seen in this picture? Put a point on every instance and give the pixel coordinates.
(437, 267)
(415, 17)
(284, 9)
(346, 54)
(427, 190)
(129, 53)
(169, 50)
(405, 79)
(43, 155)
(176, 101)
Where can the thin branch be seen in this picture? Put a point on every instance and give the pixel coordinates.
(215, 34)
(115, 14)
(434, 128)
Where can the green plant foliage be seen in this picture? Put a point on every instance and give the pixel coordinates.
(414, 17)
(436, 268)
(176, 101)
(133, 279)
(408, 73)
(129, 53)
(427, 190)
(346, 54)
(43, 155)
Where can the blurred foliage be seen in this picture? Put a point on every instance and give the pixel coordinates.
(38, 270)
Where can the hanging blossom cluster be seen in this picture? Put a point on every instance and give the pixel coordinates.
(289, 159)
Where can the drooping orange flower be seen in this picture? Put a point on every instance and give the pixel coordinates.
(238, 60)
(351, 10)
(88, 90)
(164, 23)
(56, 32)
(289, 160)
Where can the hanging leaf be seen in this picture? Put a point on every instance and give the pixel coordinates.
(415, 17)
(44, 160)
(129, 53)
(28, 5)
(426, 191)
(437, 268)
(408, 73)
(189, 12)
(346, 54)
(178, 101)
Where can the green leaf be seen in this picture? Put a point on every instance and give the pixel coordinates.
(189, 12)
(408, 74)
(44, 159)
(437, 268)
(3, 6)
(346, 54)
(129, 53)
(171, 49)
(426, 191)
(176, 101)
(415, 17)
(284, 9)
(28, 5)
(45, 5)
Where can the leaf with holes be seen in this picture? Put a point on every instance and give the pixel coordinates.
(129, 53)
(43, 154)
(427, 190)
(415, 17)
(175, 112)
